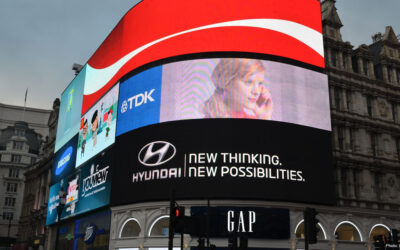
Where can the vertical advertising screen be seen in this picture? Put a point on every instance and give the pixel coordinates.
(70, 107)
(86, 189)
(97, 127)
(64, 160)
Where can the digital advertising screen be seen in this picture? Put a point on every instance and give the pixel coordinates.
(88, 188)
(290, 29)
(217, 103)
(70, 108)
(224, 88)
(97, 127)
(64, 160)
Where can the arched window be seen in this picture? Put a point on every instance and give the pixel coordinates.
(130, 228)
(379, 229)
(160, 226)
(347, 230)
(299, 231)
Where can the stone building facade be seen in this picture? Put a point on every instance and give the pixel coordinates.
(364, 86)
(22, 131)
(32, 224)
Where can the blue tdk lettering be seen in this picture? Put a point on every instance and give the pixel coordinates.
(141, 98)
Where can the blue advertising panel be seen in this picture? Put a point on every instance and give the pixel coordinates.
(53, 202)
(140, 98)
(97, 127)
(86, 189)
(70, 110)
(64, 160)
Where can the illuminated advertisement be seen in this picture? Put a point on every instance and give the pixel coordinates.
(70, 107)
(87, 189)
(224, 88)
(97, 127)
(290, 29)
(64, 160)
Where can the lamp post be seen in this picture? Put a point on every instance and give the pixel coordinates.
(60, 208)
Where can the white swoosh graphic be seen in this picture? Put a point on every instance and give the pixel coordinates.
(95, 79)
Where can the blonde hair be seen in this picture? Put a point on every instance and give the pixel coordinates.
(229, 69)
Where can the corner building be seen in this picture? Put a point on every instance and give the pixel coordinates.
(256, 130)
(364, 88)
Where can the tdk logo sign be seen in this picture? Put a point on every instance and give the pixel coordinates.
(64, 159)
(137, 100)
(156, 153)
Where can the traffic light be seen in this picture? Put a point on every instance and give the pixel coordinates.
(395, 236)
(310, 225)
(380, 242)
(178, 222)
(244, 242)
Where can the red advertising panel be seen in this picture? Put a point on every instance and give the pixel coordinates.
(157, 29)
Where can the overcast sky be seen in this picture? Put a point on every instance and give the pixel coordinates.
(41, 39)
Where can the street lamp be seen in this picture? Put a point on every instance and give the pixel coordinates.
(60, 208)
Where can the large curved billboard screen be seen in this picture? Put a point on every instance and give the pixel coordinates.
(215, 99)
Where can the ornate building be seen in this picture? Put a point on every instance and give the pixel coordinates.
(32, 224)
(364, 87)
(22, 130)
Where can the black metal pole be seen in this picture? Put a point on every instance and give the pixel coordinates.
(171, 215)
(208, 223)
(181, 241)
(57, 233)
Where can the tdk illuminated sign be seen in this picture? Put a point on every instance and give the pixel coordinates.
(65, 158)
(139, 100)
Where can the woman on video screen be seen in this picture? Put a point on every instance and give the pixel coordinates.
(240, 91)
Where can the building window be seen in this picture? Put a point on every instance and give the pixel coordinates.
(341, 138)
(348, 99)
(16, 158)
(344, 57)
(18, 145)
(9, 202)
(352, 133)
(8, 215)
(33, 160)
(336, 94)
(365, 67)
(343, 181)
(19, 132)
(369, 105)
(394, 111)
(334, 56)
(389, 72)
(12, 187)
(354, 62)
(373, 138)
(13, 172)
(398, 75)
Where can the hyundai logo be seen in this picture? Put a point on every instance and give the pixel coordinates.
(156, 153)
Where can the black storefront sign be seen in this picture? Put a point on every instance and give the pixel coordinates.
(265, 223)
